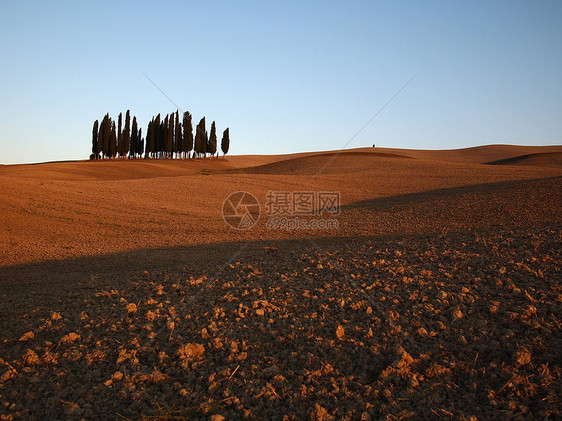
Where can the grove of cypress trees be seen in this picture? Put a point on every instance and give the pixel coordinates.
(167, 137)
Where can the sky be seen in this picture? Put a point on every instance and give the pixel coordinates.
(284, 76)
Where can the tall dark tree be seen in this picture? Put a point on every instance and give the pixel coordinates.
(120, 136)
(101, 136)
(140, 144)
(213, 140)
(197, 140)
(157, 137)
(95, 140)
(99, 145)
(202, 138)
(100, 142)
(187, 132)
(133, 147)
(113, 141)
(225, 142)
(198, 137)
(149, 143)
(179, 145)
(106, 134)
(206, 144)
(162, 137)
(170, 136)
(173, 130)
(127, 133)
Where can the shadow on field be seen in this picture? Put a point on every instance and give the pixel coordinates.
(84, 271)
(26, 288)
(412, 218)
(384, 203)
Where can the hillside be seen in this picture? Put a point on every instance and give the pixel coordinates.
(546, 159)
(73, 209)
(125, 294)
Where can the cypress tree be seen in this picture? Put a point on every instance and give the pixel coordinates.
(149, 139)
(213, 140)
(197, 146)
(120, 136)
(113, 141)
(154, 144)
(106, 134)
(202, 138)
(173, 130)
(179, 143)
(162, 138)
(133, 147)
(157, 136)
(127, 133)
(225, 142)
(95, 140)
(206, 144)
(101, 135)
(140, 143)
(187, 132)
(165, 135)
(100, 143)
(170, 136)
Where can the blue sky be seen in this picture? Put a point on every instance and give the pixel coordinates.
(284, 76)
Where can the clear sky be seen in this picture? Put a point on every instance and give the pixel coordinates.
(285, 76)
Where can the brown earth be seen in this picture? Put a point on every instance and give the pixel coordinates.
(125, 293)
(552, 159)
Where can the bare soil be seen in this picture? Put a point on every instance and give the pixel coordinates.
(126, 295)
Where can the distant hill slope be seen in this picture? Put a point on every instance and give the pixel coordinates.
(105, 170)
(474, 155)
(325, 163)
(64, 210)
(548, 159)
(305, 163)
(359, 159)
